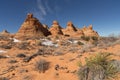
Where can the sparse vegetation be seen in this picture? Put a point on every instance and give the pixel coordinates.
(21, 55)
(105, 42)
(2, 57)
(86, 38)
(4, 78)
(38, 42)
(80, 43)
(98, 67)
(23, 45)
(42, 65)
(12, 61)
(94, 38)
(6, 47)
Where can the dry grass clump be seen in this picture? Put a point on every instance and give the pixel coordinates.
(4, 78)
(42, 65)
(105, 42)
(86, 38)
(80, 43)
(98, 67)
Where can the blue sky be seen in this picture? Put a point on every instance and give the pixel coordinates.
(104, 15)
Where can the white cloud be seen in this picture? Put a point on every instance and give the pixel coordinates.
(41, 7)
(49, 10)
(44, 8)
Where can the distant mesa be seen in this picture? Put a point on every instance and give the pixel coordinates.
(70, 29)
(31, 27)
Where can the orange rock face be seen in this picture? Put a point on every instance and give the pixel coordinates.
(71, 27)
(56, 29)
(88, 31)
(72, 31)
(31, 27)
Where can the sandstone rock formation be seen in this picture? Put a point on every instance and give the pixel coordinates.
(46, 26)
(71, 27)
(31, 27)
(56, 29)
(88, 31)
(72, 31)
(4, 32)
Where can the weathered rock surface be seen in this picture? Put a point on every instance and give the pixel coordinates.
(88, 31)
(31, 27)
(56, 29)
(72, 31)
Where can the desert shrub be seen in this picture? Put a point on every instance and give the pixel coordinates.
(42, 65)
(94, 38)
(23, 45)
(67, 35)
(98, 67)
(41, 51)
(38, 42)
(21, 55)
(5, 38)
(6, 47)
(57, 53)
(4, 78)
(2, 57)
(12, 61)
(86, 48)
(80, 43)
(107, 41)
(86, 38)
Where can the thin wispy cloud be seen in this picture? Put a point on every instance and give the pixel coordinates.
(48, 8)
(43, 9)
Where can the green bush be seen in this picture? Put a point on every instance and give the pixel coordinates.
(98, 67)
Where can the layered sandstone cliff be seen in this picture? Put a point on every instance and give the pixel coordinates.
(31, 27)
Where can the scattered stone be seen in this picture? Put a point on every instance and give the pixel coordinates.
(57, 66)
